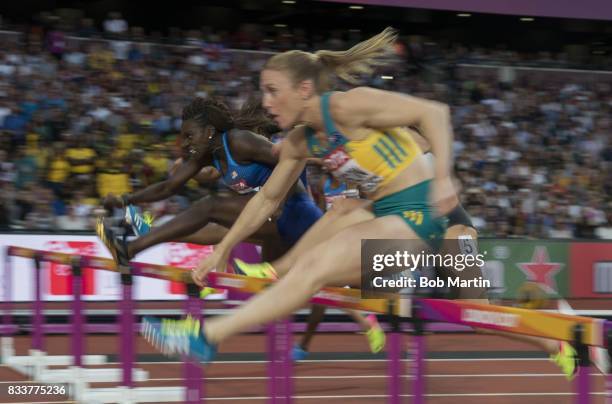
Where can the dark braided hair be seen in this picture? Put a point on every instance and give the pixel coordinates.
(252, 116)
(210, 111)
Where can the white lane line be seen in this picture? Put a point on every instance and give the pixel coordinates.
(555, 394)
(330, 361)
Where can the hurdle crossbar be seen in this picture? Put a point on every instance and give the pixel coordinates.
(338, 297)
(501, 318)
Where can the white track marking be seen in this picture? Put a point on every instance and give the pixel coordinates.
(555, 394)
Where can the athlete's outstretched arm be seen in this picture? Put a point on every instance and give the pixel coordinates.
(205, 177)
(261, 206)
(158, 191)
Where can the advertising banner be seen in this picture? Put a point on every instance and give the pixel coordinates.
(512, 263)
(591, 272)
(98, 285)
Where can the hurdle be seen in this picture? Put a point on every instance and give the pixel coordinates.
(581, 331)
(36, 364)
(279, 343)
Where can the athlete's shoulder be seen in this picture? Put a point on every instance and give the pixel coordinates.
(245, 135)
(243, 140)
(249, 146)
(348, 106)
(360, 94)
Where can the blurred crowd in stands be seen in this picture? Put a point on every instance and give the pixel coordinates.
(90, 110)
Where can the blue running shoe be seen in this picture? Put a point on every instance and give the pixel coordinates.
(299, 354)
(178, 337)
(141, 224)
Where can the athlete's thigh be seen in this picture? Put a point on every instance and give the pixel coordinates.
(212, 233)
(339, 221)
(228, 207)
(326, 227)
(337, 261)
(346, 205)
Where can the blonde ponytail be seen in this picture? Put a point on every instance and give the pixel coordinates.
(361, 58)
(323, 65)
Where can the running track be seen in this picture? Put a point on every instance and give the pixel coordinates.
(472, 369)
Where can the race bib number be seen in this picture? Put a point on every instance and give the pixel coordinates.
(343, 167)
(241, 187)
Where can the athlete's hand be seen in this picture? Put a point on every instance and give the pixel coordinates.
(112, 201)
(443, 195)
(217, 260)
(207, 175)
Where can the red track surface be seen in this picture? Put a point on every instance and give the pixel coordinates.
(448, 381)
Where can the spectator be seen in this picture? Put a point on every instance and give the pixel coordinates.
(25, 167)
(15, 122)
(115, 26)
(158, 162)
(81, 158)
(87, 28)
(514, 129)
(8, 173)
(72, 221)
(561, 229)
(75, 56)
(604, 231)
(58, 169)
(56, 42)
(24, 201)
(41, 217)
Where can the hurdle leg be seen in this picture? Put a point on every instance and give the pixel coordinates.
(584, 362)
(77, 328)
(127, 330)
(37, 342)
(394, 358)
(37, 350)
(271, 332)
(77, 313)
(194, 390)
(609, 375)
(280, 366)
(7, 318)
(286, 362)
(6, 342)
(418, 357)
